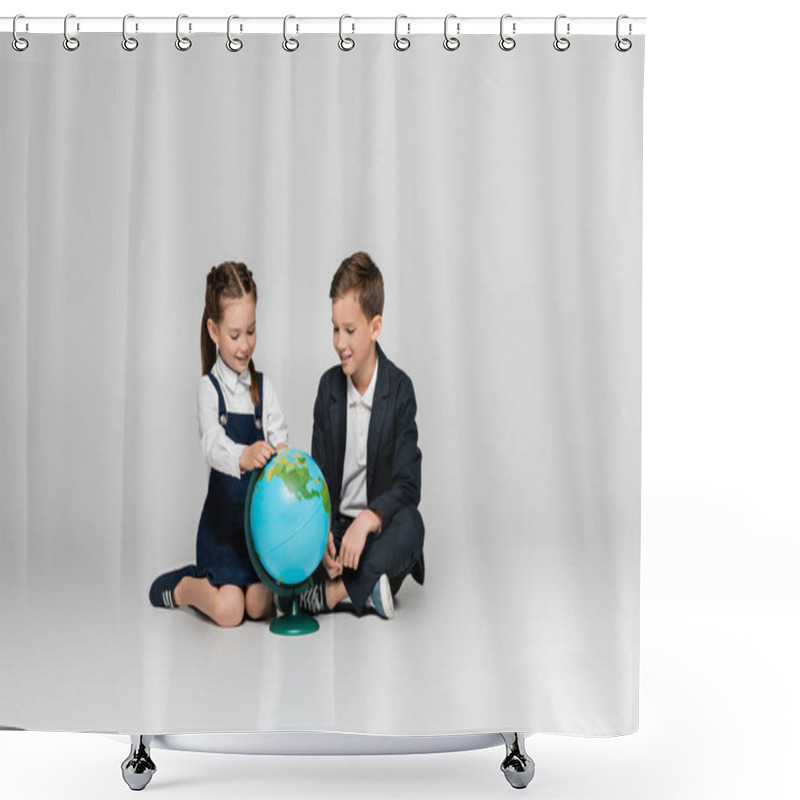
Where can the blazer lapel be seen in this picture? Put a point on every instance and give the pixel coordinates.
(377, 417)
(338, 428)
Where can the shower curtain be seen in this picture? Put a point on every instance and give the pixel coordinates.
(499, 192)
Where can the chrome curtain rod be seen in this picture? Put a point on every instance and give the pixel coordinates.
(458, 26)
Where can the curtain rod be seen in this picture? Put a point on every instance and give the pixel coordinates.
(308, 25)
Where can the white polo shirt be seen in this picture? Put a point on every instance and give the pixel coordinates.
(221, 452)
(354, 477)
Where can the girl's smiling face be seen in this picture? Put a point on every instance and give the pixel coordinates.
(235, 334)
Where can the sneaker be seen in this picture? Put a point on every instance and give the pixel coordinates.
(381, 598)
(161, 591)
(312, 601)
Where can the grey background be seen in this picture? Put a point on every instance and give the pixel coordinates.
(720, 521)
(501, 195)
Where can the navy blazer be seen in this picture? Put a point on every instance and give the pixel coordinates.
(394, 475)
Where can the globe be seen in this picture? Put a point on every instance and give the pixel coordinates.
(288, 515)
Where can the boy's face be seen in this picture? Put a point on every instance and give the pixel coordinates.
(354, 338)
(235, 336)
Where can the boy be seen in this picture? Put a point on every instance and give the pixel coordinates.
(365, 442)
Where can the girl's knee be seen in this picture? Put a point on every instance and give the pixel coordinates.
(257, 601)
(229, 606)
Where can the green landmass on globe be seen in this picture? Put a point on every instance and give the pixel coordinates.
(291, 467)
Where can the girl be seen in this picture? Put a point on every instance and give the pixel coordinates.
(241, 426)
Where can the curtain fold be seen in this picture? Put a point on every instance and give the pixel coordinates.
(500, 194)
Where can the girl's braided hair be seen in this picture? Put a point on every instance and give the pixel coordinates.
(227, 281)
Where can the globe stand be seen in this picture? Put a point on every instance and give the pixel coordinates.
(295, 623)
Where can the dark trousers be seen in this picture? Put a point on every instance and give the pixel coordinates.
(396, 550)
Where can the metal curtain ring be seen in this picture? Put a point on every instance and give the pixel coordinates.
(345, 42)
(401, 42)
(234, 45)
(128, 42)
(70, 42)
(289, 44)
(507, 42)
(182, 42)
(561, 43)
(451, 42)
(623, 45)
(18, 43)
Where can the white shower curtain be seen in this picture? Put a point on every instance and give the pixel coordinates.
(500, 195)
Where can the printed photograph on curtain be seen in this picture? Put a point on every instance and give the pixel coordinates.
(416, 279)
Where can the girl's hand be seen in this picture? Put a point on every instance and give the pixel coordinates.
(332, 565)
(255, 456)
(282, 446)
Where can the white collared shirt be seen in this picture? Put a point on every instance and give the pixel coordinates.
(221, 452)
(354, 476)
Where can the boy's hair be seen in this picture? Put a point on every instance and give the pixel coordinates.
(358, 272)
(227, 281)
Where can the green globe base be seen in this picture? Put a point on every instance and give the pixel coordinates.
(295, 623)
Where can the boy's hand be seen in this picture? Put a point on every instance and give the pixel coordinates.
(355, 537)
(332, 565)
(256, 455)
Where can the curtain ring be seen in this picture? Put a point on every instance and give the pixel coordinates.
(345, 42)
(234, 45)
(451, 42)
(18, 43)
(129, 43)
(183, 43)
(401, 42)
(561, 43)
(507, 42)
(289, 44)
(70, 42)
(623, 45)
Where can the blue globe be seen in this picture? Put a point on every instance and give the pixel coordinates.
(290, 512)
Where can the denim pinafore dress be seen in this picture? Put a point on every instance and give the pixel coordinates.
(222, 555)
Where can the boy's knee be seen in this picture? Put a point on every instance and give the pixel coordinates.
(230, 606)
(410, 521)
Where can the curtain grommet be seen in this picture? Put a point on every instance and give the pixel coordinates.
(129, 43)
(623, 44)
(17, 42)
(233, 44)
(71, 43)
(183, 43)
(507, 42)
(290, 44)
(401, 43)
(346, 43)
(451, 43)
(561, 43)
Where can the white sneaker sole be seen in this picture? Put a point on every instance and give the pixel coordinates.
(387, 601)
